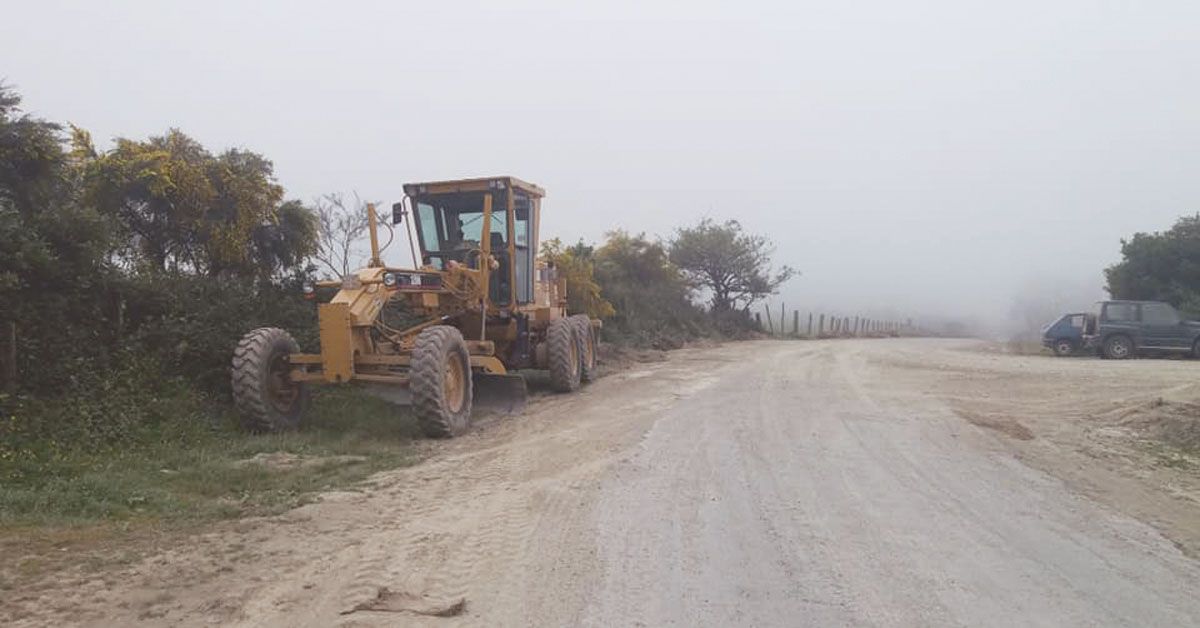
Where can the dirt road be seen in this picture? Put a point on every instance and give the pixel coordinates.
(856, 482)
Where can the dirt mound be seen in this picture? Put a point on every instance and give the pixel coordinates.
(619, 356)
(1004, 424)
(1175, 423)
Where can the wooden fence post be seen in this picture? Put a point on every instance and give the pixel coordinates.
(821, 327)
(809, 325)
(770, 323)
(795, 322)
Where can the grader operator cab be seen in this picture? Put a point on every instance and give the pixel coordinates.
(478, 305)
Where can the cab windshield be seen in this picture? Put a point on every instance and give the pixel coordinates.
(450, 226)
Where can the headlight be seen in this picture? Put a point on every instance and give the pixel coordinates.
(309, 290)
(389, 280)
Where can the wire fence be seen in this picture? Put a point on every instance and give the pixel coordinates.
(812, 324)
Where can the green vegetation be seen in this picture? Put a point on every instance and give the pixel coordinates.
(1160, 266)
(577, 263)
(648, 291)
(733, 266)
(198, 465)
(651, 295)
(126, 277)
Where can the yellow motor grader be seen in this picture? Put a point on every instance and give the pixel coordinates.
(477, 306)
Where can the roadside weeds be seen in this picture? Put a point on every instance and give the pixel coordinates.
(99, 508)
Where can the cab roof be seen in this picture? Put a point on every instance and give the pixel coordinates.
(480, 184)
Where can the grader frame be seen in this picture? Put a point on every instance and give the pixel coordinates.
(479, 304)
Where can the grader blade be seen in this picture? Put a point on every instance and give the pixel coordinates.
(502, 394)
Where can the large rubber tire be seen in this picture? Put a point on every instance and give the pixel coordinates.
(587, 346)
(440, 382)
(562, 349)
(1118, 347)
(1064, 347)
(267, 400)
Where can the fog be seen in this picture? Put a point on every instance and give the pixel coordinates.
(944, 159)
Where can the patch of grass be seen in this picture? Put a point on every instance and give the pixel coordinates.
(192, 467)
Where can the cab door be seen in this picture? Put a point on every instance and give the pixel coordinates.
(1162, 327)
(525, 244)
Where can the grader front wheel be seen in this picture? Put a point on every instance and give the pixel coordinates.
(263, 392)
(440, 380)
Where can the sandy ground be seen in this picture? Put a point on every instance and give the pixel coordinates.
(895, 482)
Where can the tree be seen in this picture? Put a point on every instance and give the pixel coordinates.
(584, 295)
(1160, 266)
(187, 210)
(734, 267)
(284, 244)
(54, 251)
(649, 293)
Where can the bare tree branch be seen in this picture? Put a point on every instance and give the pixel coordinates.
(339, 228)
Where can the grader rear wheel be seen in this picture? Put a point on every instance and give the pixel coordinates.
(562, 342)
(440, 380)
(587, 346)
(262, 389)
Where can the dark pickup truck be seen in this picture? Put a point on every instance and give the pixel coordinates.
(1121, 329)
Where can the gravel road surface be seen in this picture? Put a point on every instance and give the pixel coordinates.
(893, 482)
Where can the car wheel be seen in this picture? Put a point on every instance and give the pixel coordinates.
(1064, 347)
(1118, 347)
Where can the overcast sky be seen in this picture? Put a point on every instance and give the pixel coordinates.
(919, 156)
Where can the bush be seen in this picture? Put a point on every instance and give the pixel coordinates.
(191, 324)
(129, 275)
(577, 264)
(650, 296)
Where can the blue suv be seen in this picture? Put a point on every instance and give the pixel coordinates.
(1065, 335)
(1121, 329)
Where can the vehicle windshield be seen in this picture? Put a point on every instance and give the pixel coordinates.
(449, 226)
